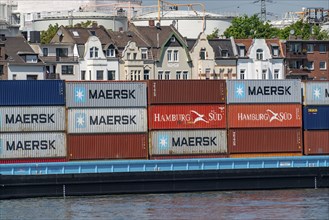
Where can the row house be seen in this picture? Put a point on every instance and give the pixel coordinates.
(306, 59)
(18, 60)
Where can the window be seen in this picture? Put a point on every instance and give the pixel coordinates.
(296, 48)
(323, 65)
(14, 76)
(144, 54)
(62, 52)
(202, 54)
(172, 39)
(242, 74)
(264, 74)
(135, 75)
(45, 52)
(275, 51)
(160, 74)
(31, 58)
(1, 70)
(146, 74)
(110, 52)
(134, 56)
(167, 75)
(224, 53)
(178, 73)
(67, 69)
(93, 52)
(207, 73)
(322, 48)
(92, 32)
(99, 74)
(259, 54)
(242, 50)
(83, 75)
(310, 48)
(128, 56)
(169, 55)
(276, 74)
(185, 75)
(175, 55)
(111, 75)
(32, 77)
(310, 65)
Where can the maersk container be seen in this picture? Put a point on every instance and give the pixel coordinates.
(186, 91)
(107, 120)
(316, 93)
(107, 146)
(32, 145)
(26, 119)
(106, 94)
(168, 117)
(182, 142)
(264, 115)
(261, 140)
(264, 91)
(316, 117)
(316, 142)
(32, 92)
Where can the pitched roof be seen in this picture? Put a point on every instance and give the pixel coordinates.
(221, 44)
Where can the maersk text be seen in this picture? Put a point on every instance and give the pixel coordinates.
(194, 141)
(30, 118)
(30, 145)
(112, 94)
(113, 120)
(269, 90)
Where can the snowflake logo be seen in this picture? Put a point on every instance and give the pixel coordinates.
(80, 120)
(79, 94)
(163, 142)
(316, 93)
(239, 89)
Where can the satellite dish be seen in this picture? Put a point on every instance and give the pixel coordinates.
(59, 32)
(292, 31)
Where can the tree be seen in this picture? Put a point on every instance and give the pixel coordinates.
(47, 35)
(213, 35)
(250, 27)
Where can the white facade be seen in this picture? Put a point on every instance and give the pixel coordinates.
(260, 63)
(23, 72)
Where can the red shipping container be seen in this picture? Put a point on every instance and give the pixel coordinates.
(186, 91)
(316, 142)
(37, 160)
(107, 146)
(269, 140)
(174, 157)
(264, 115)
(187, 116)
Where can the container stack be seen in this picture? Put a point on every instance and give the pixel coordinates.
(316, 118)
(32, 121)
(107, 120)
(187, 119)
(264, 118)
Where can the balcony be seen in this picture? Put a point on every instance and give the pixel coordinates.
(296, 55)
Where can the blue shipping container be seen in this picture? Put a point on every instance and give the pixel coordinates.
(32, 92)
(316, 117)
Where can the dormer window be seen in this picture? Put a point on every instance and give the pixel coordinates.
(144, 53)
(202, 54)
(31, 59)
(93, 52)
(242, 50)
(224, 53)
(275, 51)
(110, 52)
(92, 32)
(259, 54)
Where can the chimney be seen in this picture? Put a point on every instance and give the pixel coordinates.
(151, 23)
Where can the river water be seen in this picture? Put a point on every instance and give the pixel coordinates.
(269, 204)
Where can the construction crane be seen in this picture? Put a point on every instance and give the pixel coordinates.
(175, 6)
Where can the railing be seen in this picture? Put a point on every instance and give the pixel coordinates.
(162, 165)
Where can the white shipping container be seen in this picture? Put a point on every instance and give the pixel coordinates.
(316, 93)
(105, 94)
(107, 120)
(180, 142)
(32, 145)
(27, 119)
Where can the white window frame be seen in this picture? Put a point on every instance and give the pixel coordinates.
(322, 48)
(176, 56)
(160, 74)
(169, 56)
(144, 53)
(259, 54)
(325, 65)
(310, 48)
(276, 74)
(185, 75)
(242, 74)
(312, 66)
(167, 75)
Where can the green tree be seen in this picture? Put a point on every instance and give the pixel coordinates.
(250, 27)
(84, 24)
(47, 35)
(213, 35)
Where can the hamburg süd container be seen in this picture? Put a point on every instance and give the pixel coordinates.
(264, 115)
(265, 140)
(316, 93)
(263, 91)
(180, 142)
(316, 142)
(107, 146)
(186, 91)
(316, 117)
(32, 145)
(34, 118)
(107, 120)
(163, 117)
(32, 92)
(106, 94)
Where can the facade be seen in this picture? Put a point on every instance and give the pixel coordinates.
(9, 19)
(307, 59)
(259, 59)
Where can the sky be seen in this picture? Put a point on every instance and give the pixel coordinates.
(248, 7)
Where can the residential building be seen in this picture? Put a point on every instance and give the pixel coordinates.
(307, 59)
(259, 59)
